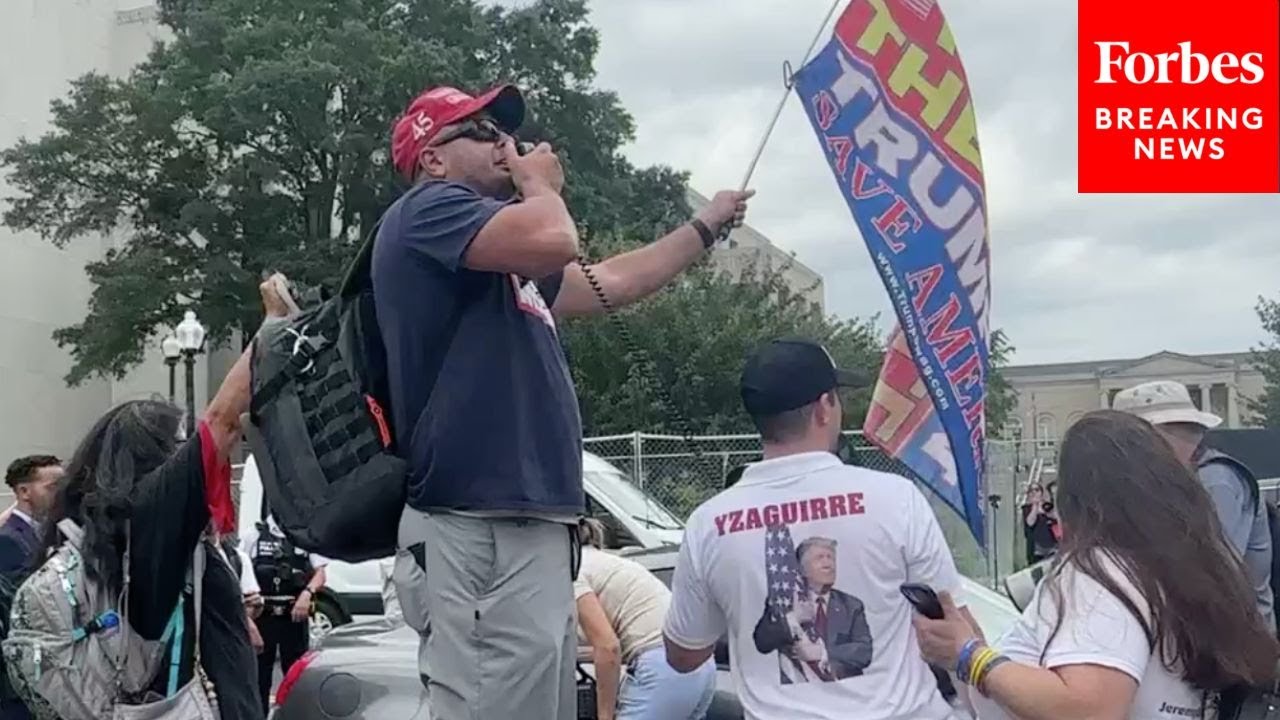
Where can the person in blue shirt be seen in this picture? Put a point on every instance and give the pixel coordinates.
(1231, 486)
(472, 268)
(34, 483)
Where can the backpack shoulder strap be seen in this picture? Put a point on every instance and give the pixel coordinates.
(1242, 471)
(299, 361)
(355, 279)
(358, 272)
(197, 582)
(72, 532)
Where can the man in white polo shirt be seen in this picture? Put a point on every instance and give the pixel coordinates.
(800, 563)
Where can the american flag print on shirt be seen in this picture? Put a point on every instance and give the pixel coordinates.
(785, 583)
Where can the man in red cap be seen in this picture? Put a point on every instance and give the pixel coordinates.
(471, 270)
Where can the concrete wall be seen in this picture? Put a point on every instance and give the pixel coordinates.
(1047, 410)
(1251, 385)
(748, 248)
(43, 287)
(737, 260)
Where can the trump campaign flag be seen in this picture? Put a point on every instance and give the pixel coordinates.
(889, 102)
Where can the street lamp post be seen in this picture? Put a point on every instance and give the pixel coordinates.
(190, 335)
(172, 350)
(1017, 454)
(994, 499)
(1017, 487)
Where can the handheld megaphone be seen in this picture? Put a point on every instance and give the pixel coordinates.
(1021, 586)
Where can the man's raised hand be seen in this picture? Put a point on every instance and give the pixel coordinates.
(273, 291)
(728, 207)
(538, 172)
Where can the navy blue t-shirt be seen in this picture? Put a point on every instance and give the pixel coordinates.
(482, 401)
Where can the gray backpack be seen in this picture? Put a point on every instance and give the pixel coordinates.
(70, 653)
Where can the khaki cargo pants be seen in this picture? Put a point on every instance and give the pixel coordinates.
(493, 601)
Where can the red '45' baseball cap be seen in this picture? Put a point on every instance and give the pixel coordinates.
(440, 106)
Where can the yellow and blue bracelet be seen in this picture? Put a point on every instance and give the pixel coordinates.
(965, 660)
(976, 662)
(980, 678)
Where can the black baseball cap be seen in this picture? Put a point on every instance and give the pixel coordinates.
(790, 373)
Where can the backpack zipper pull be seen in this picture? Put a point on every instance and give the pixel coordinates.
(384, 432)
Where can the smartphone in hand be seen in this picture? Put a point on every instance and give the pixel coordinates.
(923, 599)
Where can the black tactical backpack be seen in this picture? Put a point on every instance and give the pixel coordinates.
(319, 424)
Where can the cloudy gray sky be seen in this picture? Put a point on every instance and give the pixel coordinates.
(1075, 277)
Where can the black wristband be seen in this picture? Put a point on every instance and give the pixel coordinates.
(704, 232)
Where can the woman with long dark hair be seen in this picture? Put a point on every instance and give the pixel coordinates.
(1145, 614)
(134, 483)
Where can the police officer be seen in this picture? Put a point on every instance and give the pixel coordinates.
(288, 578)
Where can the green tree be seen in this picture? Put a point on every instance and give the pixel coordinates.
(680, 370)
(256, 140)
(691, 339)
(1002, 399)
(1266, 407)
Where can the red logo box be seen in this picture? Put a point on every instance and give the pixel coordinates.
(1179, 97)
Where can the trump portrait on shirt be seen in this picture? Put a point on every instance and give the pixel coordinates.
(818, 632)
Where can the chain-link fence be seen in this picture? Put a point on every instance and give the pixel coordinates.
(681, 473)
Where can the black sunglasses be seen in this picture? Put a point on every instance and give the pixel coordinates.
(479, 130)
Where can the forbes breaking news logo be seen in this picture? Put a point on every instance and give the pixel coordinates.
(1179, 102)
(1178, 128)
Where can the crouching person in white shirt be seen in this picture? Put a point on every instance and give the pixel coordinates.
(1147, 613)
(801, 562)
(621, 606)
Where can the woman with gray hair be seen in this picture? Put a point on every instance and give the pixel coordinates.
(621, 608)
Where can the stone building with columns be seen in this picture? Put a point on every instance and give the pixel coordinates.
(1052, 397)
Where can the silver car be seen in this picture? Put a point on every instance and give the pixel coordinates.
(368, 670)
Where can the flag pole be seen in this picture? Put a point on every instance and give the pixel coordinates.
(782, 103)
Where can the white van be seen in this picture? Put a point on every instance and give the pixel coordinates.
(633, 521)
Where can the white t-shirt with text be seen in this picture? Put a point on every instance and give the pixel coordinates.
(828, 636)
(1097, 629)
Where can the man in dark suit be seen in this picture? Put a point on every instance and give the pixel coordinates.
(34, 482)
(839, 619)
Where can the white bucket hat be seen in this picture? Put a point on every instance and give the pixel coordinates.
(1163, 402)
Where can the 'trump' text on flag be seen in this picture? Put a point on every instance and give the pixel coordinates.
(889, 101)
